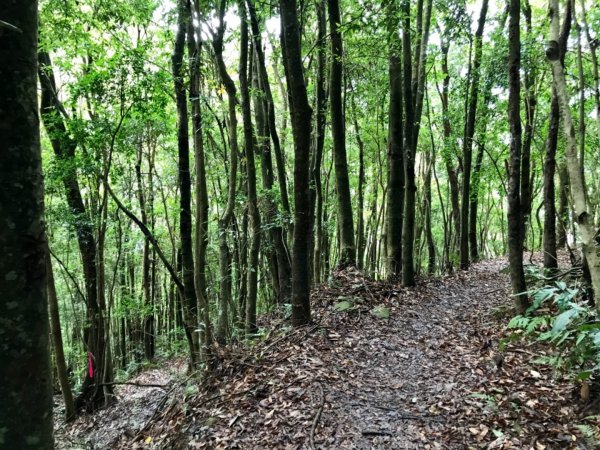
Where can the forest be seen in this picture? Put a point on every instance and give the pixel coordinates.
(299, 224)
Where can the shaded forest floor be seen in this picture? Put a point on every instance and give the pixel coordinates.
(428, 376)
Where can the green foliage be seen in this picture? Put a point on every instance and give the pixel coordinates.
(561, 318)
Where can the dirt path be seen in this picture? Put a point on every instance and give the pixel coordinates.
(428, 376)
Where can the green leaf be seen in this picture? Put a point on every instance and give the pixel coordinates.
(343, 306)
(584, 375)
(381, 312)
(563, 320)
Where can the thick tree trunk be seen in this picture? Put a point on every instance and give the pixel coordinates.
(26, 388)
(515, 241)
(301, 124)
(342, 183)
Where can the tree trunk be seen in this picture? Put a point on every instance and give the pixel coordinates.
(250, 145)
(583, 215)
(360, 222)
(92, 394)
(515, 241)
(272, 127)
(225, 222)
(201, 188)
(447, 152)
(301, 124)
(550, 236)
(468, 139)
(550, 256)
(149, 318)
(265, 113)
(318, 141)
(395, 158)
(57, 342)
(26, 388)
(342, 183)
(190, 305)
(593, 44)
(410, 189)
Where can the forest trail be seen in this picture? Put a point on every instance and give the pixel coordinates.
(428, 376)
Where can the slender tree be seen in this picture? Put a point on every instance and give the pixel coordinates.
(515, 216)
(550, 235)
(190, 301)
(342, 182)
(583, 213)
(301, 113)
(468, 138)
(395, 159)
(250, 146)
(94, 391)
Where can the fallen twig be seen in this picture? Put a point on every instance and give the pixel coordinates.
(375, 433)
(132, 383)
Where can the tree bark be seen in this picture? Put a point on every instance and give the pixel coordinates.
(447, 152)
(26, 388)
(250, 145)
(194, 49)
(190, 301)
(278, 146)
(410, 188)
(265, 112)
(583, 214)
(342, 183)
(225, 222)
(468, 138)
(317, 142)
(301, 123)
(57, 342)
(395, 158)
(515, 241)
(550, 235)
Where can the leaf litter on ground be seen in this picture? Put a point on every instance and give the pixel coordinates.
(398, 368)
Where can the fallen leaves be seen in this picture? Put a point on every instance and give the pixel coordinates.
(382, 367)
